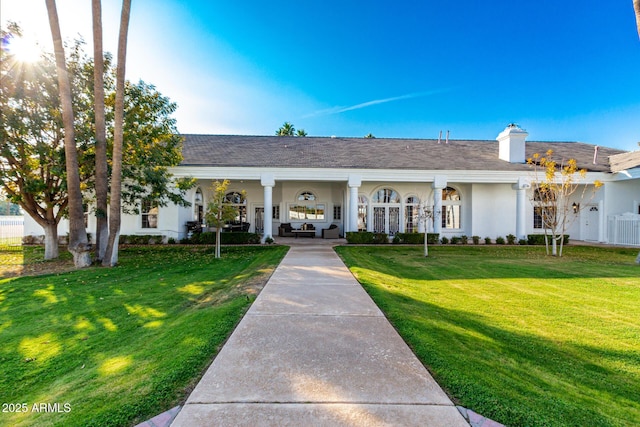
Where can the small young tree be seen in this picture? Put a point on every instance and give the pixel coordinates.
(554, 187)
(427, 214)
(219, 210)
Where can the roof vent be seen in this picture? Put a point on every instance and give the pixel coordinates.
(511, 144)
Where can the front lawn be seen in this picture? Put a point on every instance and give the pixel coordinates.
(116, 346)
(519, 337)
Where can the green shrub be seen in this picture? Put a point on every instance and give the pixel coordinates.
(476, 240)
(511, 239)
(455, 240)
(366, 238)
(522, 241)
(140, 239)
(464, 239)
(487, 240)
(444, 240)
(538, 239)
(209, 238)
(500, 240)
(415, 238)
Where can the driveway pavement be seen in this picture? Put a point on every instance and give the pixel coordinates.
(314, 350)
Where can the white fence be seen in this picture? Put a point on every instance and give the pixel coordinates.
(624, 229)
(11, 230)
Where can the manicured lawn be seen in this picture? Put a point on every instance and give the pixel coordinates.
(521, 338)
(118, 346)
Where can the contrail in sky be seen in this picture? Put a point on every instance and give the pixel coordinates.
(342, 109)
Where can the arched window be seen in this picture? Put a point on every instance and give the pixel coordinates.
(198, 206)
(306, 195)
(363, 205)
(307, 208)
(386, 195)
(451, 208)
(239, 201)
(411, 214)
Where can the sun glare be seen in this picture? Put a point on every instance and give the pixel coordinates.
(24, 50)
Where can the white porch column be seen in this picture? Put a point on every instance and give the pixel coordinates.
(268, 182)
(521, 188)
(439, 184)
(354, 183)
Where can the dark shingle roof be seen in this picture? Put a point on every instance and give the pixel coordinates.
(374, 153)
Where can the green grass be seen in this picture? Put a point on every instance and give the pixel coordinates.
(120, 345)
(516, 336)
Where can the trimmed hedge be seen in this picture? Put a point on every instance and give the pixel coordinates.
(538, 239)
(367, 238)
(141, 239)
(235, 238)
(415, 238)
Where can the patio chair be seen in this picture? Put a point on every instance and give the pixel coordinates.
(333, 232)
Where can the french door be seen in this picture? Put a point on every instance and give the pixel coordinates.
(386, 219)
(259, 220)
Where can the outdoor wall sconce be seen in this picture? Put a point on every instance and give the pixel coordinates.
(198, 198)
(576, 207)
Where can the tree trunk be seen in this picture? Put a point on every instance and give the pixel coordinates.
(102, 186)
(51, 250)
(78, 241)
(217, 242)
(111, 254)
(636, 7)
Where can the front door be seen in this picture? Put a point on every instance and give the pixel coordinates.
(386, 219)
(259, 220)
(591, 223)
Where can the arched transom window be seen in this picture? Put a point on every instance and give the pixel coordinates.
(306, 195)
(451, 208)
(386, 195)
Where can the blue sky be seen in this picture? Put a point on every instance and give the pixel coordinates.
(563, 70)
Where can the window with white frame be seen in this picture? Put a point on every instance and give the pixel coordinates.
(544, 211)
(149, 214)
(386, 195)
(238, 201)
(411, 214)
(275, 212)
(307, 208)
(363, 206)
(451, 208)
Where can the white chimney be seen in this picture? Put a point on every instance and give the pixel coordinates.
(511, 144)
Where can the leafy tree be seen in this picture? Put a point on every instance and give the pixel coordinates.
(301, 132)
(369, 136)
(32, 167)
(219, 211)
(287, 129)
(78, 239)
(554, 186)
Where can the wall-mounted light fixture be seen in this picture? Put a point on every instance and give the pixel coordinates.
(576, 207)
(198, 198)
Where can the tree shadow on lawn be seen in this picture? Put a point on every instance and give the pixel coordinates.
(513, 377)
(93, 330)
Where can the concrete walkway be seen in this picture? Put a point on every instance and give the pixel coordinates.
(314, 350)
